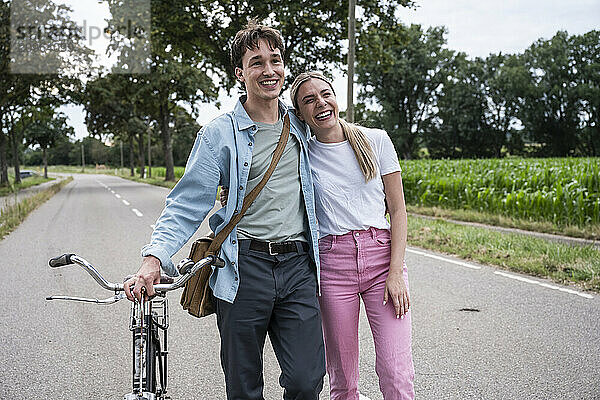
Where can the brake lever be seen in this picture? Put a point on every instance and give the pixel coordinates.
(109, 300)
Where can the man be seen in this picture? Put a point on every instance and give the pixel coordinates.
(270, 281)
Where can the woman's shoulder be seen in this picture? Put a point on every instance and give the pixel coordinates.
(377, 137)
(375, 133)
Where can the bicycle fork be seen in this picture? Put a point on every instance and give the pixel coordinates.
(145, 323)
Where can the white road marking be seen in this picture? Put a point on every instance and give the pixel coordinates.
(117, 195)
(543, 284)
(125, 202)
(136, 211)
(462, 264)
(112, 191)
(511, 276)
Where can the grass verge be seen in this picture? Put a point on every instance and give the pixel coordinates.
(589, 232)
(571, 265)
(151, 181)
(12, 215)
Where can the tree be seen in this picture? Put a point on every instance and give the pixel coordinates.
(586, 56)
(44, 127)
(503, 76)
(551, 102)
(313, 33)
(27, 80)
(477, 108)
(186, 129)
(402, 70)
(190, 48)
(172, 78)
(113, 109)
(461, 130)
(61, 152)
(4, 60)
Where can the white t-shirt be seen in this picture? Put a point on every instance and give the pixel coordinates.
(343, 200)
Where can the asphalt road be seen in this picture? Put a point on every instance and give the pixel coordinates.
(478, 333)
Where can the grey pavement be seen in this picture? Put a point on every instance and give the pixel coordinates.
(477, 332)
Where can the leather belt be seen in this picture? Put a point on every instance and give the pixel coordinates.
(274, 248)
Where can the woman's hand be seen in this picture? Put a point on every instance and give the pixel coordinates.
(395, 290)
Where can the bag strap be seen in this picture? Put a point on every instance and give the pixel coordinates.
(250, 197)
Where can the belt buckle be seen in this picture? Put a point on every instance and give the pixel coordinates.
(271, 249)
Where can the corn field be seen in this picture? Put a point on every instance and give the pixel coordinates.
(564, 191)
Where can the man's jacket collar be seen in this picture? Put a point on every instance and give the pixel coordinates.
(242, 118)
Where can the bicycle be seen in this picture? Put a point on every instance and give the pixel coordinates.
(147, 318)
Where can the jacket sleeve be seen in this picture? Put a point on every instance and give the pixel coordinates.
(187, 204)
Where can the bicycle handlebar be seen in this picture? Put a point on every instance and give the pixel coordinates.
(67, 259)
(60, 261)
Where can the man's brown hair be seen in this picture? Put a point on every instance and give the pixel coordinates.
(247, 39)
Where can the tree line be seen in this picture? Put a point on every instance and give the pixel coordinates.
(433, 101)
(437, 102)
(189, 63)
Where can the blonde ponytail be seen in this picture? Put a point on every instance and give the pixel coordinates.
(362, 149)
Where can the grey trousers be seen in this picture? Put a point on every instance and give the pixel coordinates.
(277, 295)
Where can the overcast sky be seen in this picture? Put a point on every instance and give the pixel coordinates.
(476, 27)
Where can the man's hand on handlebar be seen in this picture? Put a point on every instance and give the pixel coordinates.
(147, 276)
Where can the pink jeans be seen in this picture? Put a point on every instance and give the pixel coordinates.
(354, 264)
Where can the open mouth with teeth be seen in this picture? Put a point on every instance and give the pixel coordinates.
(325, 115)
(270, 84)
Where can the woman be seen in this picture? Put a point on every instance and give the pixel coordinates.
(356, 172)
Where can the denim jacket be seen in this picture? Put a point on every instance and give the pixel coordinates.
(222, 155)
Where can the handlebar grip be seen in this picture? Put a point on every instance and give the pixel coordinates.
(187, 264)
(60, 261)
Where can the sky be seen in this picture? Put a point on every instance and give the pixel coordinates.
(476, 27)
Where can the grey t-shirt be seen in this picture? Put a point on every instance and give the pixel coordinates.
(278, 213)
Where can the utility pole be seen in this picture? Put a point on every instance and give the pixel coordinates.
(351, 47)
(121, 155)
(149, 153)
(82, 158)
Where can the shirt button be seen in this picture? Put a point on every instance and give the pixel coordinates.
(233, 263)
(241, 188)
(233, 241)
(250, 144)
(236, 278)
(245, 164)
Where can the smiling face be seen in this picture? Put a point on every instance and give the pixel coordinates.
(262, 72)
(317, 105)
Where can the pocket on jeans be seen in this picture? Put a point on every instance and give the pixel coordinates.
(325, 245)
(383, 238)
